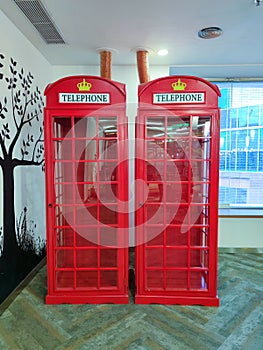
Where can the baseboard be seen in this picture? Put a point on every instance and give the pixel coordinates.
(234, 250)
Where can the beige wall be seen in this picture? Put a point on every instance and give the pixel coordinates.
(241, 232)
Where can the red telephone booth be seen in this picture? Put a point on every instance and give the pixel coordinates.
(177, 165)
(86, 191)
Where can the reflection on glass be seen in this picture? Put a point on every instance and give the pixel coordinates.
(198, 279)
(63, 150)
(107, 127)
(155, 171)
(176, 257)
(176, 279)
(174, 192)
(87, 258)
(154, 236)
(178, 127)
(155, 127)
(154, 257)
(108, 236)
(200, 193)
(62, 127)
(108, 257)
(195, 258)
(86, 236)
(155, 149)
(175, 237)
(196, 235)
(154, 279)
(87, 193)
(200, 170)
(65, 279)
(86, 172)
(155, 192)
(87, 215)
(65, 237)
(85, 127)
(176, 214)
(87, 279)
(201, 126)
(177, 149)
(178, 170)
(108, 193)
(204, 216)
(63, 172)
(85, 150)
(108, 279)
(108, 171)
(57, 150)
(108, 149)
(201, 149)
(58, 216)
(64, 258)
(108, 215)
(64, 194)
(155, 213)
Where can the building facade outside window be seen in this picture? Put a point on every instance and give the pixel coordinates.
(241, 145)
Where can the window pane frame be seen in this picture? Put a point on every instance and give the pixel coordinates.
(241, 168)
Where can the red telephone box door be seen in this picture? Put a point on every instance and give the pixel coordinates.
(176, 195)
(86, 181)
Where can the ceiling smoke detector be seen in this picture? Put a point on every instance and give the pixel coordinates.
(210, 32)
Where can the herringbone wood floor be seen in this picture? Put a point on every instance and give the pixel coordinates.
(237, 324)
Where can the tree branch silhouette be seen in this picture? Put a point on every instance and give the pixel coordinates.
(25, 108)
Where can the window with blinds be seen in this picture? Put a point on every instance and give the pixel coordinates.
(241, 144)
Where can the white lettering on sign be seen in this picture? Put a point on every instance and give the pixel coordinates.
(65, 97)
(179, 97)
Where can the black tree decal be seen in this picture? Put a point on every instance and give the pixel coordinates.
(18, 146)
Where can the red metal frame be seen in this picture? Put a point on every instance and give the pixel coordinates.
(87, 254)
(177, 156)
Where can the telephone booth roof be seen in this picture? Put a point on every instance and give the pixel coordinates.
(84, 91)
(179, 91)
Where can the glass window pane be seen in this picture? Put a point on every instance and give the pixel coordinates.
(87, 279)
(85, 127)
(87, 258)
(62, 127)
(107, 127)
(155, 127)
(241, 144)
(85, 150)
(178, 127)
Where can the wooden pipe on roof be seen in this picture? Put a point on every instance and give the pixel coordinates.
(143, 65)
(105, 64)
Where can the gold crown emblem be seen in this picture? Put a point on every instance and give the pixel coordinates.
(179, 85)
(84, 86)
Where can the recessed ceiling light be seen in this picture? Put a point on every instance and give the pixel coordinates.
(210, 32)
(162, 52)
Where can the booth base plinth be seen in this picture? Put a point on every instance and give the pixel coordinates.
(84, 299)
(172, 300)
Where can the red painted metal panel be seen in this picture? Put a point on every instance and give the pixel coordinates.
(177, 136)
(86, 191)
(88, 85)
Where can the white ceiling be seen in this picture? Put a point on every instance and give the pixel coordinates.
(123, 25)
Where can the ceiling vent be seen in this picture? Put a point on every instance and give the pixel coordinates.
(38, 16)
(210, 32)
